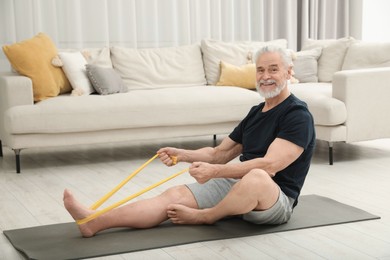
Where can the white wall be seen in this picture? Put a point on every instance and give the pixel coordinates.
(376, 20)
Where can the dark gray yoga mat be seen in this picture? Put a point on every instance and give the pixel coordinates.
(63, 241)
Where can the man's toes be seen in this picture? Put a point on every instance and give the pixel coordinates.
(171, 214)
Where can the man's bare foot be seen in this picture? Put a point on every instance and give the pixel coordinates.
(78, 211)
(180, 214)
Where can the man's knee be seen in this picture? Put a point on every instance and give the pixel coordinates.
(262, 187)
(175, 192)
(179, 194)
(257, 178)
(257, 175)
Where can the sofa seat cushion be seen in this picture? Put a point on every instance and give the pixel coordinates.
(198, 105)
(326, 110)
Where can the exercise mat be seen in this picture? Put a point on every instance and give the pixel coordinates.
(63, 241)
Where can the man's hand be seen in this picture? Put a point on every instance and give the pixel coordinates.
(169, 156)
(203, 172)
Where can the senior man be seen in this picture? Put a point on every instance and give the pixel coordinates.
(275, 142)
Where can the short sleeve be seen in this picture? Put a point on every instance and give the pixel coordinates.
(297, 126)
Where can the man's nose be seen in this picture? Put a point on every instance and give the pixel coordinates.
(266, 75)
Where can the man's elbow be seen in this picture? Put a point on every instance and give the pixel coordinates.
(271, 174)
(274, 167)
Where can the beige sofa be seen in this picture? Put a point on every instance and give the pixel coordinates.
(173, 92)
(350, 101)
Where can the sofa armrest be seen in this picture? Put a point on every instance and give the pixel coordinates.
(15, 90)
(365, 93)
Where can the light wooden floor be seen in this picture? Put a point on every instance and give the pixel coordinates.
(360, 177)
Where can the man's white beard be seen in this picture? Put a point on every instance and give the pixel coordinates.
(270, 94)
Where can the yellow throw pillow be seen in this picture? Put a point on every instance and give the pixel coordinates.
(32, 58)
(241, 76)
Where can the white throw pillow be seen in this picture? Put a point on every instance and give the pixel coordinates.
(306, 65)
(159, 67)
(74, 68)
(363, 55)
(332, 57)
(235, 53)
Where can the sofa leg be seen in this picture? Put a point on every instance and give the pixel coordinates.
(1, 149)
(330, 153)
(17, 159)
(215, 140)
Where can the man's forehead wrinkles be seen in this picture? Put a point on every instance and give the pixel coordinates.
(269, 66)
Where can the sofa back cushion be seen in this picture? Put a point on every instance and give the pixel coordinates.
(159, 67)
(361, 55)
(332, 57)
(95, 56)
(306, 65)
(235, 53)
(98, 56)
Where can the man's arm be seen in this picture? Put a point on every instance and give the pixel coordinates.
(280, 154)
(223, 153)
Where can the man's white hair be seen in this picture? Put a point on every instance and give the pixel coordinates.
(286, 57)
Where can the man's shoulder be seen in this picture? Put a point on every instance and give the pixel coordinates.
(296, 105)
(295, 101)
(297, 111)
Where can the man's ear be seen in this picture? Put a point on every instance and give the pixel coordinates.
(289, 72)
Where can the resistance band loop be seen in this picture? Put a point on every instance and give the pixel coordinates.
(108, 195)
(120, 185)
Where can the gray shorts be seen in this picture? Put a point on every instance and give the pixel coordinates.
(209, 194)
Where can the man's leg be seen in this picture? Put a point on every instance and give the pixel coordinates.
(141, 214)
(255, 191)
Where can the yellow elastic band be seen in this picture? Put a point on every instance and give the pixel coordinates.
(174, 160)
(100, 212)
(120, 185)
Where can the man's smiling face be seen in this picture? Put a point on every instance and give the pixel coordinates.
(271, 74)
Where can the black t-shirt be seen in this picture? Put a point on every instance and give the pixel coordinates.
(290, 120)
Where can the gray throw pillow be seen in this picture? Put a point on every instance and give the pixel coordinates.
(105, 80)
